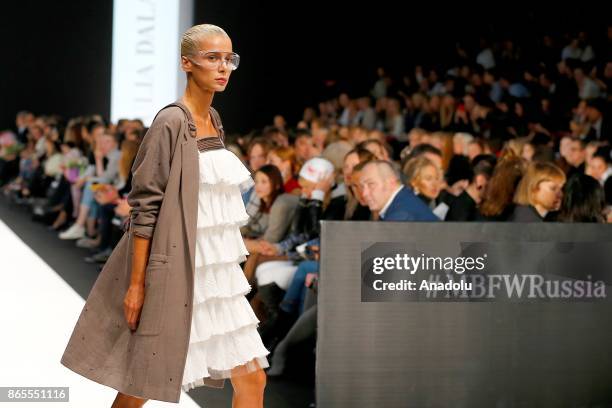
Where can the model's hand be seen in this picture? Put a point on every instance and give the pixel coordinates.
(123, 208)
(132, 305)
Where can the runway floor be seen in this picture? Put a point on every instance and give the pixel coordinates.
(44, 284)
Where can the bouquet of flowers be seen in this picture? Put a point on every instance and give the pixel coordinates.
(74, 168)
(9, 145)
(13, 149)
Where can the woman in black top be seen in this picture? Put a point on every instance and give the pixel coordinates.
(539, 193)
(583, 200)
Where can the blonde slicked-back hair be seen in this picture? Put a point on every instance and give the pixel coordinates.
(190, 41)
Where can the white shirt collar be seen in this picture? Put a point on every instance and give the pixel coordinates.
(607, 173)
(384, 209)
(597, 127)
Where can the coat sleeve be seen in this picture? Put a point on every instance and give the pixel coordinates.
(150, 173)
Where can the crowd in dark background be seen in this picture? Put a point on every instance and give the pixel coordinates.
(496, 134)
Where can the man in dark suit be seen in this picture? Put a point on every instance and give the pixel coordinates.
(22, 121)
(598, 114)
(384, 193)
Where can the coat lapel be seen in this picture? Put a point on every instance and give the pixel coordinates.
(189, 191)
(190, 177)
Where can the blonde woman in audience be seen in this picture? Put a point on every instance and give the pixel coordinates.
(426, 181)
(539, 193)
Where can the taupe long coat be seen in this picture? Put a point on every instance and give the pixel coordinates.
(148, 362)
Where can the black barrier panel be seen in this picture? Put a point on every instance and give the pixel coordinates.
(404, 349)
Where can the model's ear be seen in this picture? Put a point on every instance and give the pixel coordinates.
(186, 64)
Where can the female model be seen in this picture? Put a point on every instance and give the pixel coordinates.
(177, 317)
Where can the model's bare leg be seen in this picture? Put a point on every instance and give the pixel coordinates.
(127, 401)
(249, 389)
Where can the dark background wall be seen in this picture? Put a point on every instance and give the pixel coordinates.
(56, 56)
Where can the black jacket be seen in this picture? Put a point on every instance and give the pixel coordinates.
(305, 225)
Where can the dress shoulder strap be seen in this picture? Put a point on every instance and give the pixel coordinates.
(218, 123)
(214, 114)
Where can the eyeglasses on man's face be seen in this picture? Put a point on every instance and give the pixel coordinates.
(213, 59)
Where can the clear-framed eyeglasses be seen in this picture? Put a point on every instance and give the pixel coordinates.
(213, 59)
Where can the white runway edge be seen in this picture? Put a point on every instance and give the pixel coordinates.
(39, 310)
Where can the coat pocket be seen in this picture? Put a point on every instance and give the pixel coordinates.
(156, 279)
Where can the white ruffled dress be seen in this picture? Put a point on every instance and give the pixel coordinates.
(223, 326)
